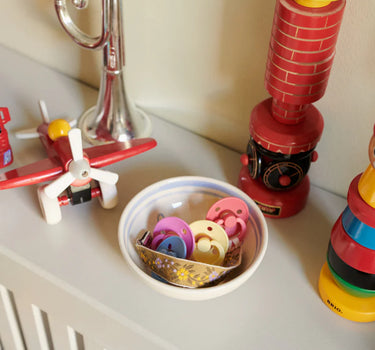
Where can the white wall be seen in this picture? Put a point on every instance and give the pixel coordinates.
(201, 63)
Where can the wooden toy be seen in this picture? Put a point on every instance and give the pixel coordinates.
(347, 280)
(74, 171)
(285, 129)
(6, 155)
(366, 183)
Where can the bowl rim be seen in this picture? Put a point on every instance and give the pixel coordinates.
(197, 293)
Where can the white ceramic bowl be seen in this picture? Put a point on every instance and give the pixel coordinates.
(189, 198)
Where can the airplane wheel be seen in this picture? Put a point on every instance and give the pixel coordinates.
(109, 196)
(50, 207)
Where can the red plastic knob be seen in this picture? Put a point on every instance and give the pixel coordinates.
(244, 159)
(314, 156)
(284, 180)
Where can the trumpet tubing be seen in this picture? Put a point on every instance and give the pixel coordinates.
(110, 119)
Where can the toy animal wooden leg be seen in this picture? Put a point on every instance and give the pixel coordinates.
(285, 129)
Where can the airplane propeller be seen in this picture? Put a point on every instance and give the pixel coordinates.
(79, 169)
(32, 133)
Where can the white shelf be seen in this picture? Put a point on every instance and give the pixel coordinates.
(79, 260)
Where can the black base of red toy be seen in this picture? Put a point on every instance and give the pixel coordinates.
(275, 204)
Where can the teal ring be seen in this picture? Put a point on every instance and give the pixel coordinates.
(357, 230)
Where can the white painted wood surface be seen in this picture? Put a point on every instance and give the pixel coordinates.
(68, 287)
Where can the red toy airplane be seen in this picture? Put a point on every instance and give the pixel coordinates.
(75, 171)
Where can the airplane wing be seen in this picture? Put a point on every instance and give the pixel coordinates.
(110, 153)
(48, 169)
(31, 174)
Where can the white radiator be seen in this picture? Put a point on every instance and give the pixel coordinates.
(40, 312)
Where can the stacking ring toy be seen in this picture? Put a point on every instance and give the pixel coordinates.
(173, 226)
(349, 274)
(350, 288)
(360, 209)
(211, 242)
(341, 302)
(351, 252)
(357, 230)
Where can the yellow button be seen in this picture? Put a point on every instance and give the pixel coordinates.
(58, 128)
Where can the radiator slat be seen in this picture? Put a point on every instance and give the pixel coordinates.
(59, 334)
(11, 333)
(42, 326)
(75, 340)
(27, 320)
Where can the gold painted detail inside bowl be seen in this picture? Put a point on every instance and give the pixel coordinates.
(183, 272)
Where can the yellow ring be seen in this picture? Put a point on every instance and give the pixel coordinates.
(342, 303)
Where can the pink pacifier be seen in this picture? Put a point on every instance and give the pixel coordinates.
(173, 226)
(231, 214)
(211, 242)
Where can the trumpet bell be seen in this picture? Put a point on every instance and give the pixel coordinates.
(95, 134)
(111, 120)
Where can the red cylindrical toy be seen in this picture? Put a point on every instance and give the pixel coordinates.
(285, 129)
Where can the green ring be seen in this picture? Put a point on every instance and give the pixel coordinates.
(350, 288)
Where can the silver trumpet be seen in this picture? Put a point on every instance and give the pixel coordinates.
(110, 119)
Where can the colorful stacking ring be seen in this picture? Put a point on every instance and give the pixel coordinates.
(360, 209)
(350, 288)
(351, 252)
(349, 274)
(357, 230)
